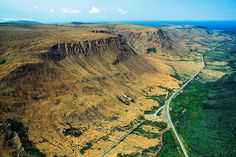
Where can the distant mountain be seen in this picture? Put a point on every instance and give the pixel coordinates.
(77, 23)
(81, 23)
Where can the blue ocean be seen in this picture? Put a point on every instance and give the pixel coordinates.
(216, 25)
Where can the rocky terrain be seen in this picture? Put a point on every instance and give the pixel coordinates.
(72, 90)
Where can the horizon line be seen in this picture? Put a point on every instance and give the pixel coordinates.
(114, 21)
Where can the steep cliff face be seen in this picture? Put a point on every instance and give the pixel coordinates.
(74, 90)
(174, 40)
(73, 83)
(88, 48)
(142, 40)
(106, 56)
(157, 39)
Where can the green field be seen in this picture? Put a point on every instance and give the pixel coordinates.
(204, 114)
(170, 148)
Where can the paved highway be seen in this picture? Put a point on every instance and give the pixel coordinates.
(177, 92)
(168, 111)
(168, 107)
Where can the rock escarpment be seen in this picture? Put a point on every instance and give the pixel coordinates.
(141, 41)
(69, 84)
(89, 48)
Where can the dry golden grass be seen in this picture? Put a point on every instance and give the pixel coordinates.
(213, 73)
(135, 28)
(80, 91)
(133, 143)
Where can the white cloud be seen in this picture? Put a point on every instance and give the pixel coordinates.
(7, 19)
(70, 11)
(26, 19)
(15, 19)
(51, 10)
(121, 12)
(35, 6)
(95, 10)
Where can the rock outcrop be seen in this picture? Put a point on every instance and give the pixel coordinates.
(141, 41)
(93, 47)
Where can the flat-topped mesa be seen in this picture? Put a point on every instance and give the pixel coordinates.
(89, 47)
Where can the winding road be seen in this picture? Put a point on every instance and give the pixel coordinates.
(168, 110)
(168, 107)
(177, 92)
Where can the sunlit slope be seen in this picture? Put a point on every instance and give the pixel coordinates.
(73, 90)
(56, 79)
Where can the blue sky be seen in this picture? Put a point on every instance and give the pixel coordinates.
(116, 10)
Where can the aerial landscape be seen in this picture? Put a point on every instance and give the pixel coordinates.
(124, 78)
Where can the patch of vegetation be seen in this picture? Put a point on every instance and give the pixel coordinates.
(151, 50)
(151, 150)
(72, 132)
(113, 118)
(145, 153)
(158, 114)
(105, 138)
(169, 90)
(150, 135)
(169, 148)
(17, 127)
(86, 147)
(159, 98)
(149, 112)
(129, 155)
(161, 125)
(130, 126)
(125, 99)
(232, 63)
(205, 112)
(140, 118)
(225, 53)
(175, 74)
(205, 109)
(198, 95)
(124, 128)
(152, 110)
(218, 67)
(2, 61)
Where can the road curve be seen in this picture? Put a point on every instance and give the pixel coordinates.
(175, 94)
(168, 107)
(168, 111)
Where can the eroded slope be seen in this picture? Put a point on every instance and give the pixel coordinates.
(75, 90)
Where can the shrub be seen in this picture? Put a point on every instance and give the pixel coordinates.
(151, 50)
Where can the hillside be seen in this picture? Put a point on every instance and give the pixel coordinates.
(74, 90)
